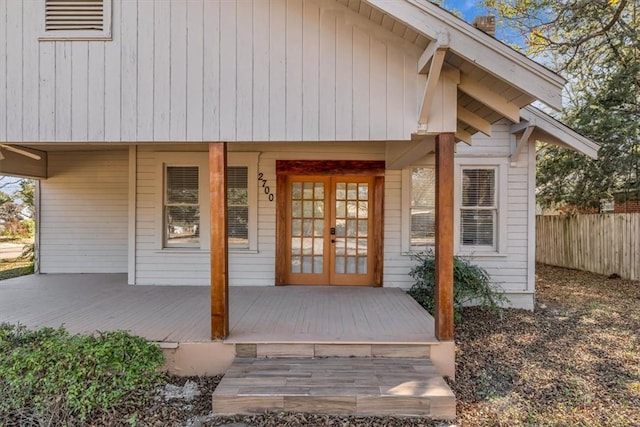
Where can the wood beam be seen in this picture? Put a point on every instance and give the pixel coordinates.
(445, 149)
(219, 252)
(15, 162)
(522, 125)
(474, 120)
(432, 82)
(486, 96)
(521, 142)
(463, 136)
(441, 42)
(417, 151)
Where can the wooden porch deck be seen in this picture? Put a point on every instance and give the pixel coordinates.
(85, 303)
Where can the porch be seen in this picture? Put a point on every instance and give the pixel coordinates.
(85, 303)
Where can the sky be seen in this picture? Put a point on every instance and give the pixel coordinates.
(468, 8)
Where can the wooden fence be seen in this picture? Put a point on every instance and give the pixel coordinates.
(601, 243)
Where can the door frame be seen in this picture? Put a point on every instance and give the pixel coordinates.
(372, 168)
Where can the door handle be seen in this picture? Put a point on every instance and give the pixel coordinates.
(333, 240)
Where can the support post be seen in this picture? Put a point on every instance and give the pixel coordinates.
(445, 149)
(219, 252)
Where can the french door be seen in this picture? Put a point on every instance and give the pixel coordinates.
(329, 230)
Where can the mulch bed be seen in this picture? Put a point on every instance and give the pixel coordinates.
(575, 361)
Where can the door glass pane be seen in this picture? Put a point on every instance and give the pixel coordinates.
(318, 264)
(362, 247)
(341, 191)
(351, 227)
(296, 191)
(318, 228)
(363, 228)
(307, 229)
(351, 265)
(295, 264)
(296, 246)
(296, 209)
(307, 192)
(362, 265)
(352, 209)
(307, 246)
(363, 191)
(352, 191)
(339, 265)
(307, 264)
(307, 209)
(296, 228)
(319, 191)
(351, 246)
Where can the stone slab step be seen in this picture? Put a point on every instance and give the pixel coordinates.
(337, 386)
(280, 350)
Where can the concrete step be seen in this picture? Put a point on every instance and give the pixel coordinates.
(335, 385)
(279, 350)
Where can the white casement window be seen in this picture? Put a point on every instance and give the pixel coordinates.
(481, 207)
(419, 202)
(76, 20)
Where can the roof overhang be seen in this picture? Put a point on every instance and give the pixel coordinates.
(478, 49)
(538, 125)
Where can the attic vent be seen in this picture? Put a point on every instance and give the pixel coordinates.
(81, 19)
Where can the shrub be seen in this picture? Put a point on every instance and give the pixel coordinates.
(50, 374)
(471, 285)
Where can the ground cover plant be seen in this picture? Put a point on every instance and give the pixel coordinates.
(49, 377)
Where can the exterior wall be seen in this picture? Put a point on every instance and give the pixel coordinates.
(246, 268)
(83, 218)
(208, 70)
(514, 271)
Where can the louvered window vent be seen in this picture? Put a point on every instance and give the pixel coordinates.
(77, 19)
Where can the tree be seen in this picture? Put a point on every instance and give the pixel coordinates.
(596, 45)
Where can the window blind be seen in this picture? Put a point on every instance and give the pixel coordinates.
(238, 206)
(182, 209)
(478, 208)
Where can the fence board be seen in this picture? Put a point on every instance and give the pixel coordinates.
(602, 243)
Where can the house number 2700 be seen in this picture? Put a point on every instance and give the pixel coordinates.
(265, 187)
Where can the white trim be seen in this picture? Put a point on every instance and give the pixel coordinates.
(86, 35)
(501, 167)
(133, 186)
(250, 160)
(531, 219)
(553, 131)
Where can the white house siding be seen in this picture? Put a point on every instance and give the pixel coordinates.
(173, 267)
(83, 226)
(513, 269)
(208, 70)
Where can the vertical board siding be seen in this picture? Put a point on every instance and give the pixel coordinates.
(600, 243)
(83, 226)
(202, 70)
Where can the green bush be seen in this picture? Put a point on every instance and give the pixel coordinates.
(51, 374)
(471, 285)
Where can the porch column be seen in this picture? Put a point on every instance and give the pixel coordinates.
(445, 149)
(219, 253)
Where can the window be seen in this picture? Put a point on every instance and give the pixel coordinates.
(182, 185)
(182, 207)
(77, 19)
(481, 207)
(423, 208)
(238, 206)
(478, 211)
